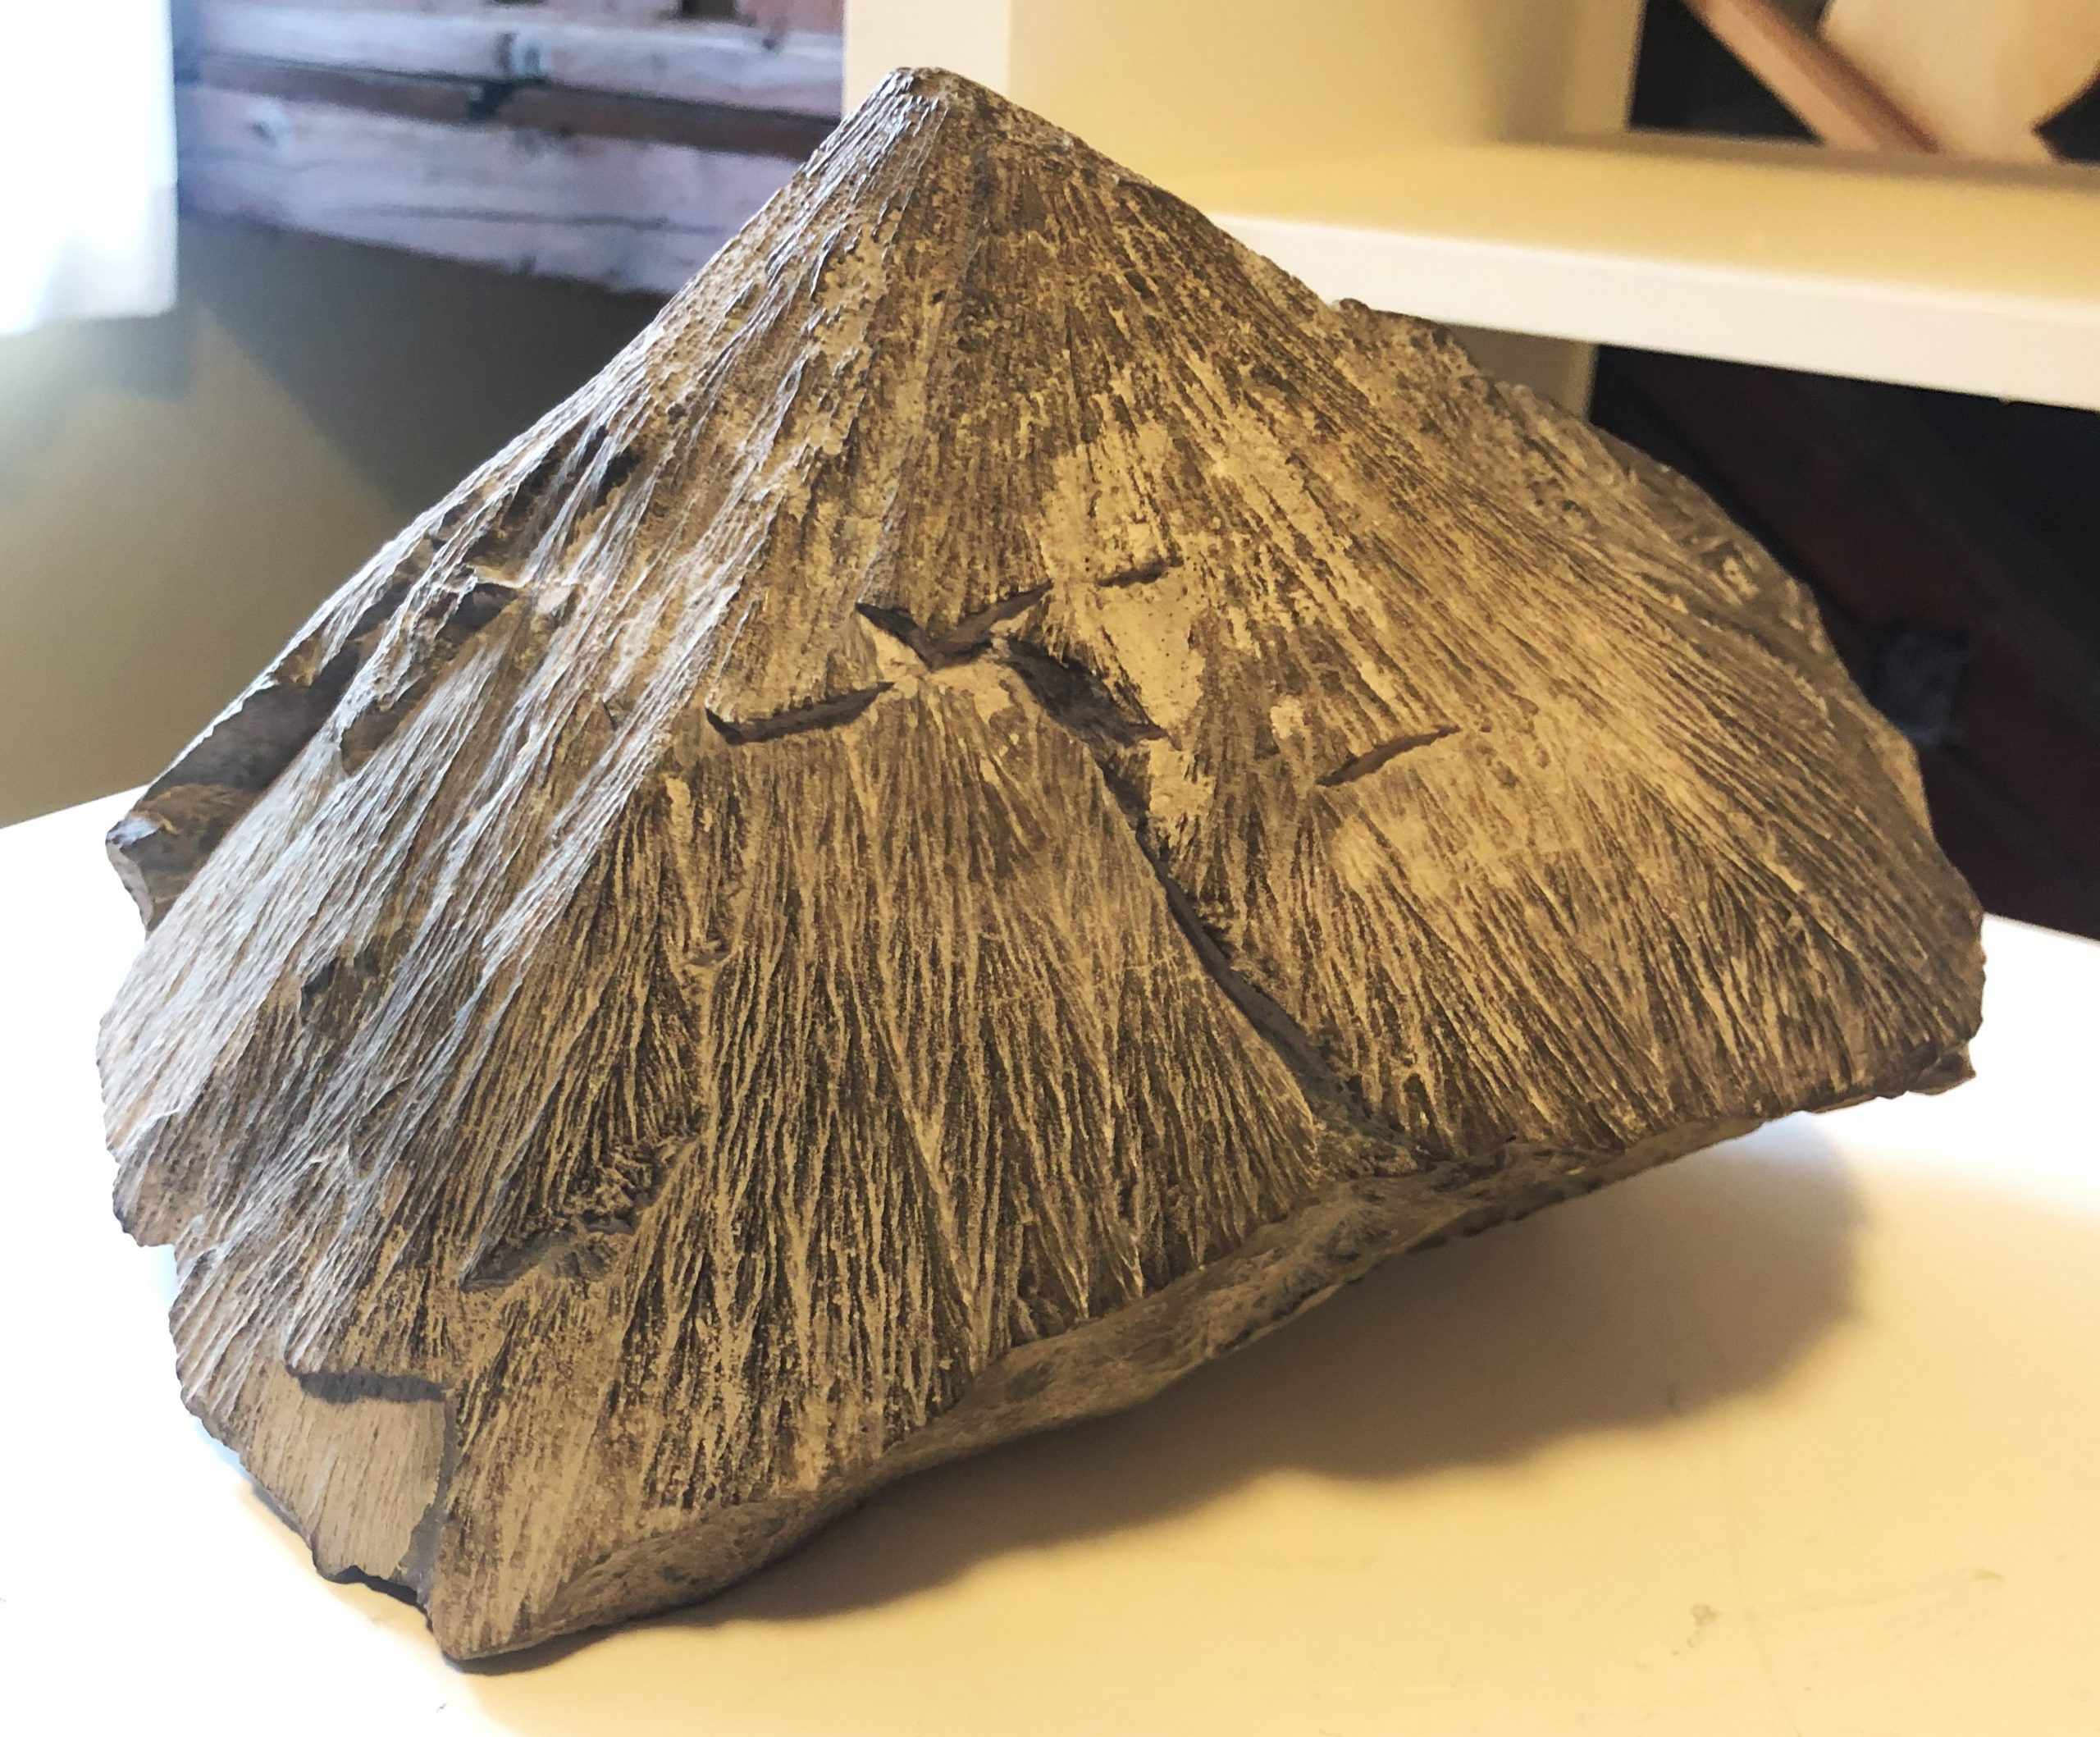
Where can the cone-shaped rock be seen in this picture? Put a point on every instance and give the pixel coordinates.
(1005, 800)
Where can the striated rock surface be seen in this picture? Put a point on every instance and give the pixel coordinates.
(1005, 800)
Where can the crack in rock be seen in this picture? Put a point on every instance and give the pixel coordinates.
(1361, 766)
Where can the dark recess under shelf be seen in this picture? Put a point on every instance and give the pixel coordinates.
(1954, 545)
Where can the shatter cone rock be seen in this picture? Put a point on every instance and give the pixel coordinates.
(1005, 802)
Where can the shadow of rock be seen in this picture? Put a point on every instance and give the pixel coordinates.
(1702, 1281)
(47, 376)
(415, 369)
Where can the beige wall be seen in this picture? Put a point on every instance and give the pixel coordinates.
(176, 494)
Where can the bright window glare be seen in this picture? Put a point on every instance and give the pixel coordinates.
(87, 160)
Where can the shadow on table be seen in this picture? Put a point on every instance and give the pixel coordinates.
(1683, 1287)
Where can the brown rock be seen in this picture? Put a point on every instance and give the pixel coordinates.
(1007, 800)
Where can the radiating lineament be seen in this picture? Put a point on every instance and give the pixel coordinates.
(1005, 800)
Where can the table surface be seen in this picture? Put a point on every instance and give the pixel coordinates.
(1796, 1436)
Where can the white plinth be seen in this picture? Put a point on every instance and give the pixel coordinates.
(1798, 1436)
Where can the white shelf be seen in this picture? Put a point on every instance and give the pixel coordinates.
(1466, 160)
(1913, 271)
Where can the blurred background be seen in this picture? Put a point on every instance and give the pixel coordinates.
(1839, 262)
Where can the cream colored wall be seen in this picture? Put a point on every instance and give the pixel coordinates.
(1177, 87)
(177, 494)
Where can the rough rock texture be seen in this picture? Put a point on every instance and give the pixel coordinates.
(1005, 800)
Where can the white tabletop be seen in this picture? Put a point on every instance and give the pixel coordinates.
(1799, 1436)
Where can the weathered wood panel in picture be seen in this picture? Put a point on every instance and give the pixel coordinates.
(619, 144)
(1005, 802)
